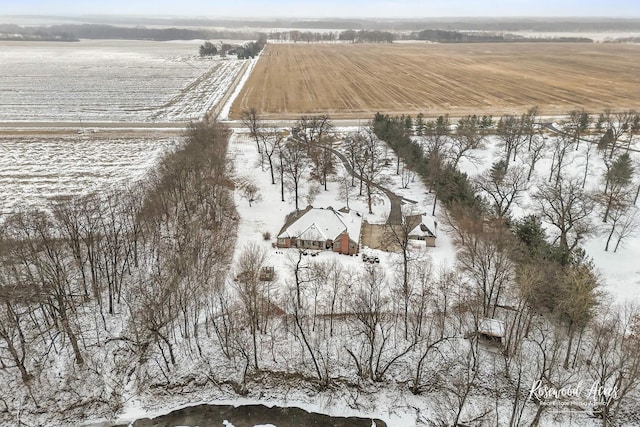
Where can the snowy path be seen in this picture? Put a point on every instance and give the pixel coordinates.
(395, 214)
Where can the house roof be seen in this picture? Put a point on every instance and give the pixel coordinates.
(422, 225)
(353, 221)
(321, 224)
(491, 327)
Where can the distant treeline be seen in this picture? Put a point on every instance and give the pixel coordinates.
(15, 32)
(624, 40)
(444, 36)
(333, 23)
(437, 36)
(553, 25)
(458, 34)
(73, 32)
(361, 36)
(461, 24)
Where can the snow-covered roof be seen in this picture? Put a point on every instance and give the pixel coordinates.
(493, 327)
(426, 227)
(313, 232)
(321, 224)
(353, 221)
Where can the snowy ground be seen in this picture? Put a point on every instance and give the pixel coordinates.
(108, 80)
(619, 271)
(268, 215)
(388, 401)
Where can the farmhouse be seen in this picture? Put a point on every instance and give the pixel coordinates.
(423, 227)
(322, 229)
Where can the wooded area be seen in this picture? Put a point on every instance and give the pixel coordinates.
(98, 289)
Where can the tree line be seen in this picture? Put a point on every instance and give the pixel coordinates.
(18, 33)
(246, 51)
(450, 36)
(360, 36)
(74, 32)
(109, 286)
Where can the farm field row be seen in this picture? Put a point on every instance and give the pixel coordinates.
(110, 81)
(34, 170)
(358, 80)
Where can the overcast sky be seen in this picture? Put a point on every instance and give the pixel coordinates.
(326, 8)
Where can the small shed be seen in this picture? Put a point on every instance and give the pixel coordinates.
(267, 274)
(491, 329)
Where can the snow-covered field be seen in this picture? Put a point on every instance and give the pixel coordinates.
(107, 80)
(34, 170)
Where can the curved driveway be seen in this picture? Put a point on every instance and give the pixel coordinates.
(395, 214)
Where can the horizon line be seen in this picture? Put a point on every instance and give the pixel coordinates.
(363, 17)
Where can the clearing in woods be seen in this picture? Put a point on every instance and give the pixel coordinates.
(357, 80)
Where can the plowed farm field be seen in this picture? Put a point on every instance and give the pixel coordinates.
(110, 81)
(357, 80)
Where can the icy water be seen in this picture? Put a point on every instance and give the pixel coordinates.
(252, 415)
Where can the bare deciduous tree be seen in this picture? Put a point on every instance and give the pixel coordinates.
(502, 186)
(567, 207)
(467, 137)
(616, 124)
(315, 131)
(294, 164)
(627, 226)
(615, 361)
(253, 291)
(437, 132)
(487, 259)
(560, 150)
(577, 124)
(252, 120)
(271, 143)
(512, 133)
(368, 162)
(537, 145)
(375, 354)
(249, 191)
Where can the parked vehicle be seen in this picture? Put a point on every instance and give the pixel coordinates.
(370, 259)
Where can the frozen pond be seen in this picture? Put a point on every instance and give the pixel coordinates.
(252, 415)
